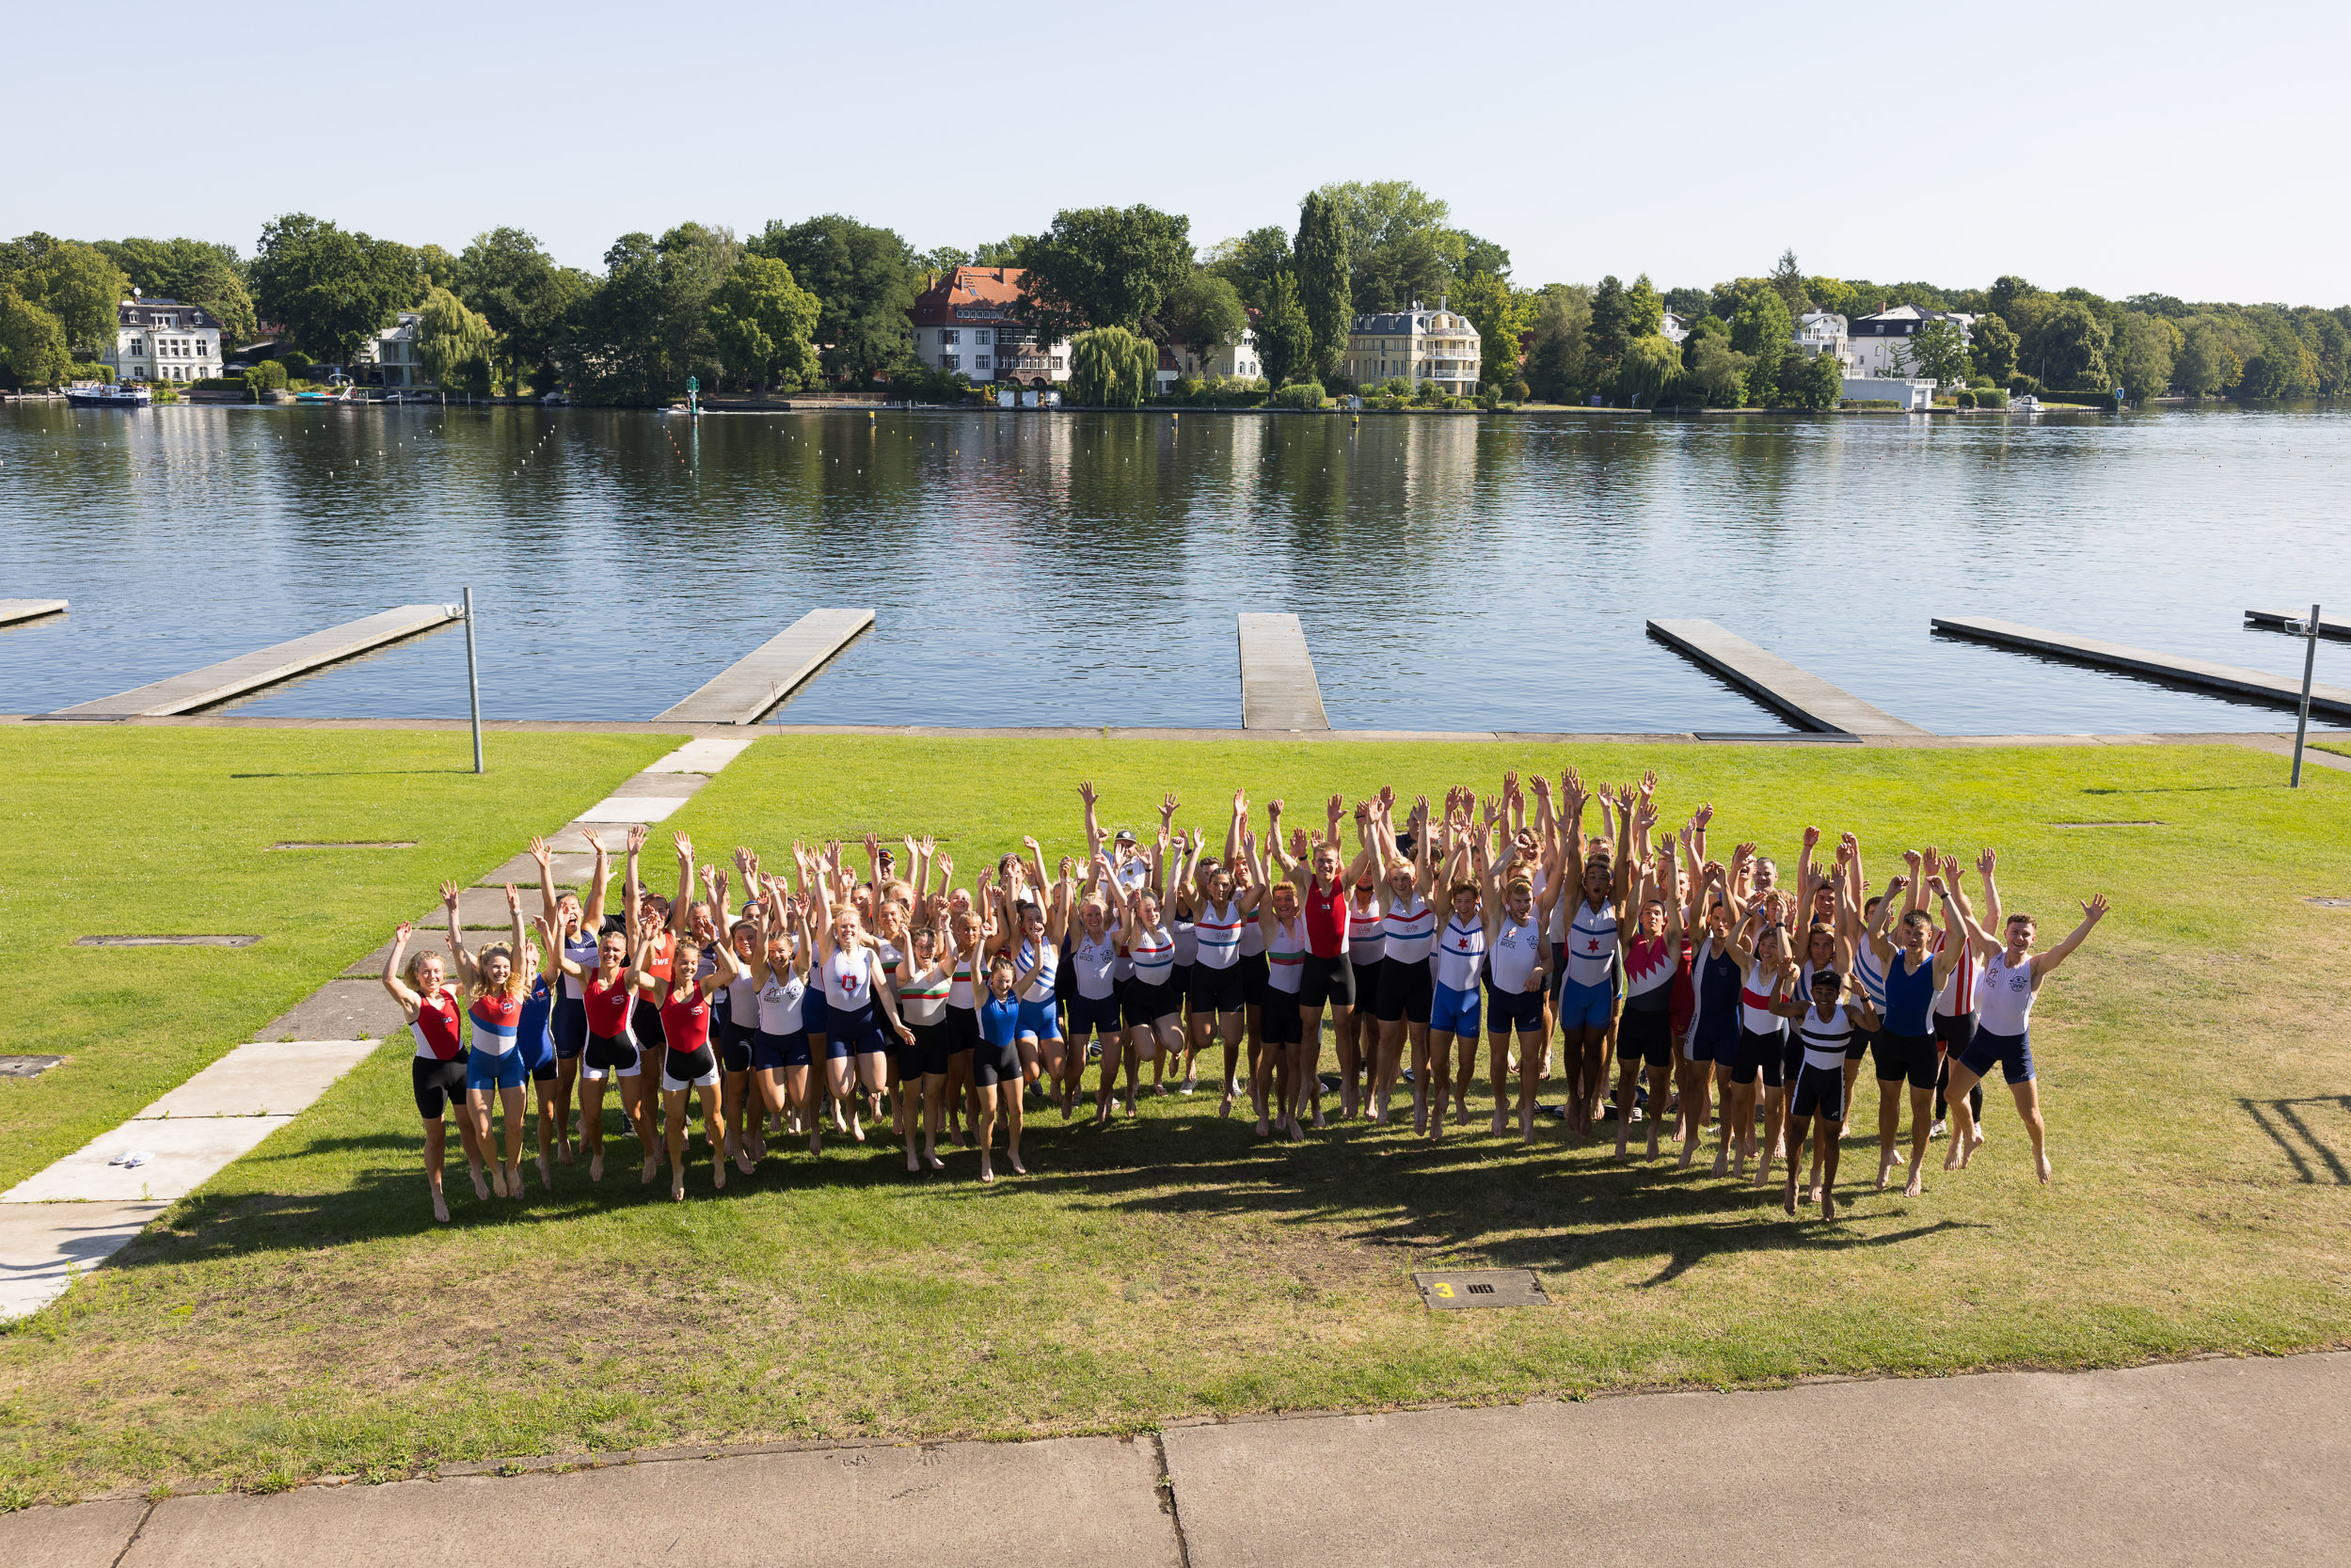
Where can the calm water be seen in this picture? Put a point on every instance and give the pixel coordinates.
(1085, 569)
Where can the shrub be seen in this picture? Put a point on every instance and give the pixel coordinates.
(1300, 394)
(2023, 385)
(1977, 382)
(1520, 391)
(1112, 368)
(1987, 397)
(1966, 398)
(221, 384)
(267, 376)
(296, 363)
(1868, 403)
(90, 372)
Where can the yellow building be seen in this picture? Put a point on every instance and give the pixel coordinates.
(1419, 344)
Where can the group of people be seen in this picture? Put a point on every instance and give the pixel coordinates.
(1728, 994)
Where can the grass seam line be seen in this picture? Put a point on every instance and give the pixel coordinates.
(137, 1531)
(1175, 1514)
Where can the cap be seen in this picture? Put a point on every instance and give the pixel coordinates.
(1124, 835)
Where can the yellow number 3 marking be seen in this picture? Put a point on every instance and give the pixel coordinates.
(1444, 1290)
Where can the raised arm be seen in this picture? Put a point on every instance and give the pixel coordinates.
(547, 876)
(2092, 912)
(1986, 863)
(460, 959)
(394, 981)
(592, 903)
(631, 889)
(1094, 821)
(514, 919)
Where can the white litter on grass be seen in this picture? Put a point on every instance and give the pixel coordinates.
(131, 1157)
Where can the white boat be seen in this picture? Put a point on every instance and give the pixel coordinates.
(100, 394)
(2026, 405)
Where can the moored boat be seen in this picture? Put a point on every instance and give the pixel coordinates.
(100, 394)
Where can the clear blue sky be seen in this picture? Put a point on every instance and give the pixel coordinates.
(1692, 142)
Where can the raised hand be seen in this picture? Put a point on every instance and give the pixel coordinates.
(1933, 856)
(1624, 797)
(1297, 844)
(744, 860)
(1337, 808)
(2095, 910)
(1706, 814)
(1068, 868)
(1951, 870)
(1913, 857)
(1743, 854)
(546, 928)
(1934, 885)
(1812, 838)
(590, 837)
(1988, 862)
(449, 895)
(947, 868)
(513, 900)
(1542, 786)
(1030, 843)
(685, 846)
(402, 933)
(1510, 783)
(1649, 782)
(1168, 805)
(1085, 791)
(539, 851)
(1274, 806)
(638, 833)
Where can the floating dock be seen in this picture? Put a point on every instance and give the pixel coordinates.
(217, 683)
(745, 690)
(2276, 620)
(2224, 678)
(14, 610)
(1278, 691)
(1801, 695)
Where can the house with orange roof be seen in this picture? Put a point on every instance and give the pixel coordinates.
(963, 321)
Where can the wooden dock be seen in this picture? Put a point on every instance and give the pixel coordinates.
(1278, 691)
(745, 690)
(1801, 695)
(2224, 678)
(14, 610)
(2275, 620)
(217, 683)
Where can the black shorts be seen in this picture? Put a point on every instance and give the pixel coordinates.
(1366, 980)
(1900, 1057)
(928, 1056)
(1144, 1005)
(1406, 986)
(1764, 1053)
(608, 1052)
(644, 1021)
(1217, 991)
(1954, 1033)
(734, 1043)
(1819, 1092)
(1858, 1045)
(1792, 1057)
(436, 1083)
(569, 1024)
(1506, 1010)
(1181, 978)
(963, 1027)
(688, 1068)
(1645, 1035)
(1326, 982)
(1278, 1019)
(1254, 970)
(996, 1063)
(1092, 1015)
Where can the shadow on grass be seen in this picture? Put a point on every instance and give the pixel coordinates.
(2287, 1122)
(357, 773)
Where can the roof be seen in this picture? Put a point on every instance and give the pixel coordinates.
(978, 294)
(141, 312)
(1415, 320)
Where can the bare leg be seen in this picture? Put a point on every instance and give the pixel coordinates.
(2028, 1106)
(1660, 1078)
(1435, 1074)
(674, 1116)
(436, 1144)
(566, 1081)
(1889, 1123)
(592, 1125)
(1014, 1115)
(1530, 1079)
(1306, 1068)
(1827, 1147)
(1796, 1129)
(1921, 1126)
(510, 1104)
(1962, 1142)
(871, 1066)
(1628, 1083)
(934, 1092)
(715, 1128)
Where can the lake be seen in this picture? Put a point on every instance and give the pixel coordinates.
(1085, 569)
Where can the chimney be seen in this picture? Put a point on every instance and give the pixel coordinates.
(1440, 302)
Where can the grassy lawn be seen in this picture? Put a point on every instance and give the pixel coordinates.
(300, 1316)
(149, 831)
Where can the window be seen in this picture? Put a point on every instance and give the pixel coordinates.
(980, 363)
(950, 335)
(980, 336)
(1057, 361)
(950, 362)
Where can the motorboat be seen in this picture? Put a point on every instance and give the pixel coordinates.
(101, 394)
(2026, 405)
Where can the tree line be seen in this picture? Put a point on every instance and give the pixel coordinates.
(824, 302)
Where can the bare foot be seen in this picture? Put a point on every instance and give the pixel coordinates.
(498, 1181)
(1498, 1124)
(1828, 1206)
(1722, 1162)
(718, 1172)
(513, 1179)
(440, 1205)
(986, 1172)
(563, 1153)
(1916, 1186)
(1886, 1169)
(651, 1166)
(857, 1129)
(1224, 1107)
(932, 1156)
(595, 1165)
(1263, 1130)
(914, 1164)
(2042, 1162)
(677, 1186)
(547, 1172)
(1900, 1158)
(744, 1163)
(1787, 1200)
(1951, 1158)
(1015, 1161)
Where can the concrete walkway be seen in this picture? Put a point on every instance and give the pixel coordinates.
(67, 1219)
(2207, 1463)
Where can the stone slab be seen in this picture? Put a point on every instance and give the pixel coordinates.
(339, 1011)
(571, 870)
(650, 786)
(1278, 691)
(14, 610)
(2198, 1464)
(262, 1078)
(706, 756)
(90, 1535)
(217, 683)
(1069, 1503)
(1777, 684)
(185, 1155)
(2258, 684)
(648, 809)
(483, 907)
(432, 939)
(43, 1246)
(745, 690)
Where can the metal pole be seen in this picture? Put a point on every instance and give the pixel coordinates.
(473, 681)
(2302, 721)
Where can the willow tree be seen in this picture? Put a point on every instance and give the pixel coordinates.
(454, 344)
(1112, 368)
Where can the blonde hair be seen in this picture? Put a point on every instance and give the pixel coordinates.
(516, 986)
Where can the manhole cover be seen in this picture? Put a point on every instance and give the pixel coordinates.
(347, 844)
(1464, 1287)
(2135, 824)
(26, 1067)
(2330, 903)
(165, 942)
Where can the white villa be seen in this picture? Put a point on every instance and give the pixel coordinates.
(1419, 344)
(394, 351)
(1176, 361)
(1823, 332)
(162, 339)
(963, 321)
(1875, 342)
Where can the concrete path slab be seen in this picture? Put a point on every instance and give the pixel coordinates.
(182, 1156)
(339, 1011)
(744, 692)
(432, 939)
(623, 808)
(706, 756)
(1278, 691)
(649, 785)
(1779, 685)
(571, 870)
(1079, 1502)
(483, 908)
(2199, 1465)
(217, 683)
(264, 1078)
(2257, 685)
(14, 610)
(90, 1536)
(43, 1246)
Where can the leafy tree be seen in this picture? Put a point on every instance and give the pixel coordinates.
(1112, 368)
(1321, 270)
(1481, 256)
(1499, 313)
(1250, 262)
(1609, 332)
(198, 271)
(941, 261)
(33, 351)
(2283, 366)
(1399, 246)
(864, 278)
(1688, 304)
(1555, 368)
(1992, 348)
(1811, 380)
(455, 344)
(1762, 331)
(1712, 366)
(2019, 304)
(2149, 343)
(438, 267)
(645, 326)
(1009, 251)
(78, 284)
(1936, 351)
(762, 321)
(1103, 266)
(267, 376)
(1647, 368)
(1789, 279)
(529, 300)
(1645, 313)
(2202, 366)
(1286, 339)
(1206, 315)
(330, 290)
(2071, 343)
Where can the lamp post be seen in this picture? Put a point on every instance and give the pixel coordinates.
(473, 681)
(2302, 716)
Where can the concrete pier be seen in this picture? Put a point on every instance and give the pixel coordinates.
(217, 683)
(14, 610)
(1277, 687)
(745, 690)
(2275, 620)
(2227, 679)
(1802, 696)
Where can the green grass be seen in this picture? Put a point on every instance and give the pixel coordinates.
(301, 1315)
(150, 832)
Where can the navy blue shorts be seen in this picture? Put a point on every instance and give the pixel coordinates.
(854, 1034)
(1090, 1014)
(569, 1023)
(1506, 1010)
(815, 1013)
(2015, 1052)
(771, 1051)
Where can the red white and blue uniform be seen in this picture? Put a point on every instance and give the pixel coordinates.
(495, 1063)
